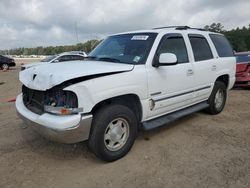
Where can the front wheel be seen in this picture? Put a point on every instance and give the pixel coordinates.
(113, 132)
(217, 98)
(5, 67)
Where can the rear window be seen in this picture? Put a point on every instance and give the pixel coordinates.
(222, 45)
(243, 58)
(201, 48)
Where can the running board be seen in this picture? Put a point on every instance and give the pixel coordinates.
(166, 119)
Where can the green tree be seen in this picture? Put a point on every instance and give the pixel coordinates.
(215, 27)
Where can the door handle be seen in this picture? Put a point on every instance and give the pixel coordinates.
(214, 67)
(190, 72)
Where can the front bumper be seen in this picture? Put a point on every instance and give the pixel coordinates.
(243, 80)
(242, 84)
(64, 129)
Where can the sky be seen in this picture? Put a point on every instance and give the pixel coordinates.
(31, 23)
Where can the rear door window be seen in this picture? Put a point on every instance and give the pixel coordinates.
(65, 58)
(201, 48)
(222, 45)
(77, 57)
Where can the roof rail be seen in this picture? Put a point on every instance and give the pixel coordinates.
(171, 27)
(180, 28)
(200, 29)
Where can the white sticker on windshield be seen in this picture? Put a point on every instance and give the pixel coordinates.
(136, 59)
(140, 37)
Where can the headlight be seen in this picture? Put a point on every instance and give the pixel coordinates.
(62, 102)
(54, 101)
(62, 110)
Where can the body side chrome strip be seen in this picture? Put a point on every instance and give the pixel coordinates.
(180, 94)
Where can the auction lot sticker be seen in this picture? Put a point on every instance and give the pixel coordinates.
(140, 37)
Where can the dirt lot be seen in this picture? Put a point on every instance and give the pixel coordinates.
(197, 151)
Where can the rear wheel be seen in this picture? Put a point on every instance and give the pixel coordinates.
(113, 133)
(5, 66)
(217, 98)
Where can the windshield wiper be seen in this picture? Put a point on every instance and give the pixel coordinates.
(91, 57)
(109, 59)
(103, 58)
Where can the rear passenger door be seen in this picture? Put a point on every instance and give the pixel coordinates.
(204, 66)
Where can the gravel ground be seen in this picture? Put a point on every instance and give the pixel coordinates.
(197, 151)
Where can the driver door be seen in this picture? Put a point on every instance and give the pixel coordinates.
(171, 87)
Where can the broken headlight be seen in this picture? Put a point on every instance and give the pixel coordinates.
(62, 102)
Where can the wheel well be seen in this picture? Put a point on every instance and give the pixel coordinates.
(224, 79)
(132, 101)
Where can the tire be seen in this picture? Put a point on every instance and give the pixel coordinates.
(217, 99)
(5, 66)
(113, 132)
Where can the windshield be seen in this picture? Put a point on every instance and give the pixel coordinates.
(125, 48)
(49, 58)
(243, 58)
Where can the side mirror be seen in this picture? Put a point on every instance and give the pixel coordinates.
(167, 59)
(56, 61)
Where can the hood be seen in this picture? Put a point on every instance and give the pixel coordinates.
(49, 75)
(241, 67)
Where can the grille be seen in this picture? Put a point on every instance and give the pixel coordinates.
(240, 74)
(35, 100)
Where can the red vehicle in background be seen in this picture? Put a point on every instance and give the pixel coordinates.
(242, 69)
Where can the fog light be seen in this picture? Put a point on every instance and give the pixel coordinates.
(62, 110)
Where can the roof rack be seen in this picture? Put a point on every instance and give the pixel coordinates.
(171, 27)
(200, 29)
(180, 28)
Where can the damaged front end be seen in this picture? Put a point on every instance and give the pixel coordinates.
(55, 101)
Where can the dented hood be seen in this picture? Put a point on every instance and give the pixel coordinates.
(46, 76)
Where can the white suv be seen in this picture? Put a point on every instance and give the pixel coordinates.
(130, 81)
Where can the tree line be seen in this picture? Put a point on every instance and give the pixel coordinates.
(239, 39)
(51, 50)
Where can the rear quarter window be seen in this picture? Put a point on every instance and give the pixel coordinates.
(222, 45)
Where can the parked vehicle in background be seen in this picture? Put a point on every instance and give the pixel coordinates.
(130, 81)
(242, 69)
(66, 56)
(6, 62)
